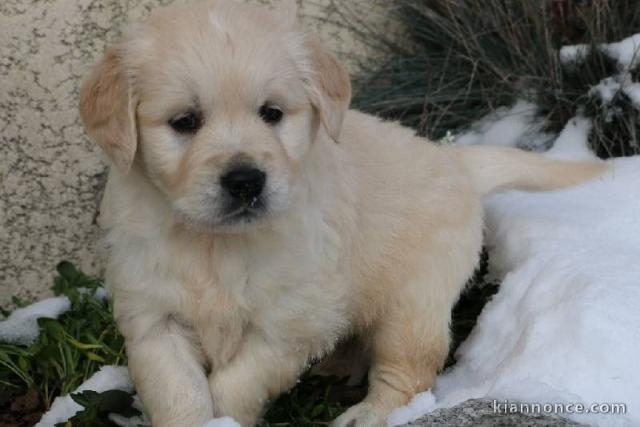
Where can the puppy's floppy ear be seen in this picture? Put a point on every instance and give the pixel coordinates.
(329, 87)
(107, 109)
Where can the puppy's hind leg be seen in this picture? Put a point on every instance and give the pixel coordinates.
(407, 355)
(410, 344)
(349, 360)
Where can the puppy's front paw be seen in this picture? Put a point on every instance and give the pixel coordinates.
(361, 415)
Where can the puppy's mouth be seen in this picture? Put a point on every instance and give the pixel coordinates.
(244, 211)
(232, 216)
(211, 210)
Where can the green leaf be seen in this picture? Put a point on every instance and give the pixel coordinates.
(117, 401)
(19, 302)
(317, 411)
(82, 346)
(60, 286)
(52, 327)
(98, 406)
(67, 270)
(69, 350)
(84, 398)
(95, 357)
(23, 364)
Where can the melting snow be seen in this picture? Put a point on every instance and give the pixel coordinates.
(21, 327)
(607, 89)
(574, 54)
(633, 92)
(222, 422)
(565, 325)
(626, 52)
(107, 378)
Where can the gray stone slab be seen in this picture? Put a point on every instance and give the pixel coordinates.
(480, 413)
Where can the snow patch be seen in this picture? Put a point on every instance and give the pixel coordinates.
(626, 52)
(564, 327)
(222, 422)
(607, 89)
(633, 93)
(101, 294)
(21, 327)
(107, 378)
(569, 298)
(421, 404)
(110, 378)
(517, 125)
(571, 144)
(574, 54)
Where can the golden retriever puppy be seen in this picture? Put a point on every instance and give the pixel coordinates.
(253, 221)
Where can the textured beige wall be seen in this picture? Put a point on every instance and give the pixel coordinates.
(51, 175)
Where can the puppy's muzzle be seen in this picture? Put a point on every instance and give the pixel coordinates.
(244, 183)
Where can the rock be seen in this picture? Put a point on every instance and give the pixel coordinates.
(480, 413)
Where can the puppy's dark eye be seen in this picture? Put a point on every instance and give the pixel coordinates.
(187, 123)
(271, 114)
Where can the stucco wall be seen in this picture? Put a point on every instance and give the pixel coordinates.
(51, 175)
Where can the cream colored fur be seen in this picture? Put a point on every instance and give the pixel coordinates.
(371, 230)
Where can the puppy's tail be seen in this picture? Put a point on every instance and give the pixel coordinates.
(495, 168)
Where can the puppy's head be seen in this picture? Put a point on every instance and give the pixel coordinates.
(218, 103)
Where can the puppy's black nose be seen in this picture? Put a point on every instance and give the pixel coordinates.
(244, 182)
